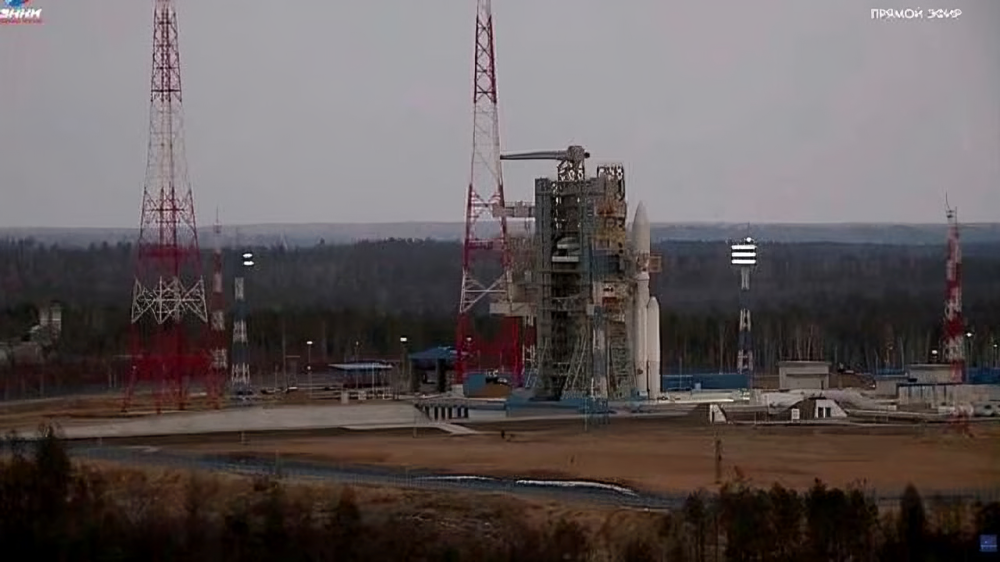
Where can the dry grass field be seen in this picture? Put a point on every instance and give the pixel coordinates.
(168, 490)
(70, 410)
(656, 456)
(669, 458)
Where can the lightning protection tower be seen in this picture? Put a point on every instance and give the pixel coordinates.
(486, 258)
(169, 319)
(744, 256)
(954, 325)
(219, 357)
(239, 382)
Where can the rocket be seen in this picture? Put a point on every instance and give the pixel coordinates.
(653, 348)
(645, 313)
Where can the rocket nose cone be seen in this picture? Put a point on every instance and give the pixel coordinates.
(640, 214)
(640, 229)
(653, 304)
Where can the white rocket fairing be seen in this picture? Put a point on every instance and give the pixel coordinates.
(640, 243)
(653, 348)
(640, 232)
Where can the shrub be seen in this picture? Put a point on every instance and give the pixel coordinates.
(50, 509)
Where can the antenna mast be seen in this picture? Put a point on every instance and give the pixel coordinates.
(486, 260)
(743, 256)
(170, 321)
(954, 324)
(217, 371)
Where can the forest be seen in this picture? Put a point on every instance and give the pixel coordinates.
(862, 305)
(53, 509)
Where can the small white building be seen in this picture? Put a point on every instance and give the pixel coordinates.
(816, 408)
(936, 395)
(885, 386)
(803, 375)
(930, 373)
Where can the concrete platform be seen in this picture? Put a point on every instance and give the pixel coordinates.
(368, 416)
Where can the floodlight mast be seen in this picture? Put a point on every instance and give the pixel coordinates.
(744, 256)
(239, 381)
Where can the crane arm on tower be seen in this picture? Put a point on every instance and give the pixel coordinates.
(574, 154)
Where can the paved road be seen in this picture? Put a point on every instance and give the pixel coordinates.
(579, 491)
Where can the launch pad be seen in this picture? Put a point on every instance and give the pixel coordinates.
(580, 283)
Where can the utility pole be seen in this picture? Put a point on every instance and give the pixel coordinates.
(404, 368)
(718, 459)
(284, 352)
(309, 367)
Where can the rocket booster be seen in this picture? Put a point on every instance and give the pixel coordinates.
(641, 329)
(653, 348)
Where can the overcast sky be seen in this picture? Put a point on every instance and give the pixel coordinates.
(359, 110)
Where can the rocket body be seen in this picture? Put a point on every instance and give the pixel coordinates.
(641, 244)
(641, 329)
(653, 348)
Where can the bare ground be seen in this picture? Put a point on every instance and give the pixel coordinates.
(76, 410)
(665, 456)
(670, 458)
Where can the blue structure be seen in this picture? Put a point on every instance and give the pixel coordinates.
(438, 360)
(475, 382)
(596, 409)
(428, 359)
(358, 375)
(983, 375)
(706, 381)
(977, 375)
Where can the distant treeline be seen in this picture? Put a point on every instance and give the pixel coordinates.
(295, 235)
(863, 305)
(53, 510)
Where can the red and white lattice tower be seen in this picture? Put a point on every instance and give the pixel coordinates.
(954, 325)
(486, 258)
(170, 321)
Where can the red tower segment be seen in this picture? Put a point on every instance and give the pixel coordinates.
(170, 322)
(954, 325)
(486, 259)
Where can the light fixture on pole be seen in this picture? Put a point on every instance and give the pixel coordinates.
(404, 364)
(309, 367)
(968, 349)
